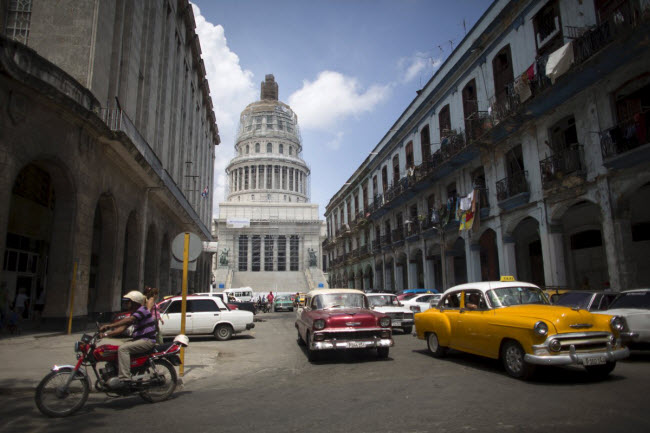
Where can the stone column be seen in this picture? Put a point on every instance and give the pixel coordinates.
(273, 176)
(506, 246)
(473, 253)
(553, 255)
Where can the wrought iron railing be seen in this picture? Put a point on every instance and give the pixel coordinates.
(625, 136)
(562, 163)
(512, 185)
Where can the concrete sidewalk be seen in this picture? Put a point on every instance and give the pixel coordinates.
(28, 357)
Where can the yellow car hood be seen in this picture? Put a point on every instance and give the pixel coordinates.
(565, 319)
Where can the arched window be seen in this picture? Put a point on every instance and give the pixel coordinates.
(247, 149)
(269, 148)
(290, 150)
(257, 148)
(281, 148)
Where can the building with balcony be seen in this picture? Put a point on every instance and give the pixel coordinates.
(107, 141)
(269, 233)
(526, 154)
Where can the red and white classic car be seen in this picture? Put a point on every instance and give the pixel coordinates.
(340, 319)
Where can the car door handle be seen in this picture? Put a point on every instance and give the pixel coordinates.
(216, 314)
(188, 315)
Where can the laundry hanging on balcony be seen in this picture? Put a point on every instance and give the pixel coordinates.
(522, 87)
(559, 62)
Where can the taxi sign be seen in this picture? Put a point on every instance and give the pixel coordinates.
(507, 278)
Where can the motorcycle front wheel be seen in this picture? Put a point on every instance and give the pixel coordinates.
(163, 381)
(53, 399)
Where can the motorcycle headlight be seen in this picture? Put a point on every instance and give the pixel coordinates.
(617, 323)
(384, 322)
(319, 324)
(77, 346)
(540, 328)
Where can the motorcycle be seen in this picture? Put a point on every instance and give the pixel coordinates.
(65, 389)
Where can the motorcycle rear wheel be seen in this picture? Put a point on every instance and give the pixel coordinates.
(54, 402)
(166, 371)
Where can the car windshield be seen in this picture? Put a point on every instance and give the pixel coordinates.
(507, 296)
(339, 300)
(409, 296)
(574, 299)
(282, 299)
(632, 300)
(383, 300)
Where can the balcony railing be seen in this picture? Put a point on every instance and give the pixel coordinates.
(626, 135)
(398, 234)
(363, 250)
(512, 185)
(386, 240)
(560, 164)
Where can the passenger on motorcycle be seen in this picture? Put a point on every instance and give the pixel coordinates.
(144, 334)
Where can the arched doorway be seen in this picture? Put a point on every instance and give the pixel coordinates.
(640, 231)
(416, 269)
(585, 259)
(367, 278)
(130, 264)
(389, 276)
(528, 252)
(459, 266)
(102, 256)
(164, 267)
(38, 256)
(489, 256)
(401, 278)
(151, 260)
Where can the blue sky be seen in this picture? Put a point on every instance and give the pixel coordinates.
(348, 68)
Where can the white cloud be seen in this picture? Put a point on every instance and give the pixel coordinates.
(231, 89)
(335, 143)
(333, 97)
(419, 65)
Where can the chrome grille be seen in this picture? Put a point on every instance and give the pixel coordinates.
(582, 341)
(400, 316)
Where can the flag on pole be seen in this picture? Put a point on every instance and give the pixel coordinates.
(204, 194)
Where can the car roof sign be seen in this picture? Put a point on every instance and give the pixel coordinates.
(507, 278)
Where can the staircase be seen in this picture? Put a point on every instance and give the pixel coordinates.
(223, 276)
(290, 281)
(316, 278)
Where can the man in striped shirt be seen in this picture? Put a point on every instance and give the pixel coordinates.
(144, 334)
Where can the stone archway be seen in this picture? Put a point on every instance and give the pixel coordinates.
(39, 234)
(401, 268)
(457, 263)
(368, 281)
(131, 252)
(379, 275)
(416, 269)
(528, 252)
(489, 256)
(102, 256)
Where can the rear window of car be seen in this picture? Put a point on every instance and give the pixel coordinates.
(632, 300)
(203, 306)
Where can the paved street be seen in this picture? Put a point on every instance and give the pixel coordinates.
(263, 382)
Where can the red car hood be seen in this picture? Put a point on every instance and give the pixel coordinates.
(348, 318)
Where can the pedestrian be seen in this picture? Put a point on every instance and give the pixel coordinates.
(270, 297)
(21, 303)
(12, 321)
(39, 305)
(151, 295)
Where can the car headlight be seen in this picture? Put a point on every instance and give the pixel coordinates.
(384, 322)
(617, 323)
(540, 328)
(555, 345)
(415, 308)
(319, 324)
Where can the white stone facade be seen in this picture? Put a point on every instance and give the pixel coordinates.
(269, 234)
(559, 157)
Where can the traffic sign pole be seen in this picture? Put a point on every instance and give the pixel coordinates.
(186, 251)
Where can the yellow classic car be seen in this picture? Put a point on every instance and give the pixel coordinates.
(513, 321)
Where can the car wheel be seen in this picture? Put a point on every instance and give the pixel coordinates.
(512, 356)
(301, 342)
(407, 329)
(600, 371)
(382, 352)
(223, 332)
(312, 355)
(434, 346)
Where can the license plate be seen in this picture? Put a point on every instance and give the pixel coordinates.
(396, 322)
(594, 360)
(357, 344)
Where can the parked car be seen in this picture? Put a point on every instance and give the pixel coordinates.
(420, 303)
(587, 300)
(282, 303)
(340, 319)
(219, 295)
(514, 322)
(231, 302)
(204, 315)
(387, 303)
(634, 307)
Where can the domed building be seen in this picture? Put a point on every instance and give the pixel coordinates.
(268, 231)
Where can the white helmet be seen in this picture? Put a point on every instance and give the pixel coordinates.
(135, 296)
(182, 340)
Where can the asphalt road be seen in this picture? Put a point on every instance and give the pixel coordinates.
(263, 383)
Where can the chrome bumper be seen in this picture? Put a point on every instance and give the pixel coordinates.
(575, 358)
(350, 344)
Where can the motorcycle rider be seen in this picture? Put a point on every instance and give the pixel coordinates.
(144, 334)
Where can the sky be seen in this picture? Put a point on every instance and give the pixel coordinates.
(348, 69)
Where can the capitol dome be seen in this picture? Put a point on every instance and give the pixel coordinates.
(268, 164)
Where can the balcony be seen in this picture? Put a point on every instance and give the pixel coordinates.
(397, 235)
(513, 191)
(563, 168)
(386, 240)
(626, 144)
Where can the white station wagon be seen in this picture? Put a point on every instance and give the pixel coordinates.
(204, 315)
